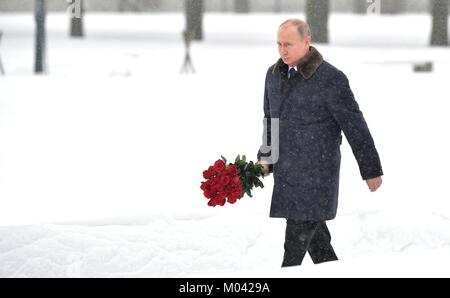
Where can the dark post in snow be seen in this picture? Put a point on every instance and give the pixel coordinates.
(39, 13)
(76, 10)
(241, 6)
(194, 18)
(187, 65)
(317, 17)
(439, 31)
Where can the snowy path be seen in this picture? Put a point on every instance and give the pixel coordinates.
(373, 244)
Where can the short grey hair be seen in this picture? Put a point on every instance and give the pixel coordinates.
(302, 27)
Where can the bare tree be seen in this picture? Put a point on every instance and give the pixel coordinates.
(277, 6)
(39, 15)
(139, 5)
(317, 12)
(439, 31)
(241, 6)
(153, 4)
(392, 6)
(2, 70)
(360, 6)
(194, 18)
(76, 18)
(224, 5)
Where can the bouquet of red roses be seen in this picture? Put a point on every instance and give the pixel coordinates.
(228, 183)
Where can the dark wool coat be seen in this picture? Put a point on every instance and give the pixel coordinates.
(312, 108)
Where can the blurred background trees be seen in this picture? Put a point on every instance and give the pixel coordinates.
(439, 31)
(316, 13)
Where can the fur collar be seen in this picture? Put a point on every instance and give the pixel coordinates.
(307, 65)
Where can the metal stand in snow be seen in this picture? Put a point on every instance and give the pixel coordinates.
(187, 65)
(2, 70)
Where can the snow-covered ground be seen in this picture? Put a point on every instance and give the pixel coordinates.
(101, 160)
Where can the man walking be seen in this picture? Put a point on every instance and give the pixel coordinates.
(311, 102)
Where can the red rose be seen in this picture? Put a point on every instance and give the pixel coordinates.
(212, 170)
(221, 202)
(207, 194)
(221, 195)
(231, 200)
(215, 202)
(206, 174)
(219, 165)
(237, 194)
(224, 180)
(232, 170)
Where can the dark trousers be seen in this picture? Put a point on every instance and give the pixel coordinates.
(307, 236)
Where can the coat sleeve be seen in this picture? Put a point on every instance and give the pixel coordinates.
(345, 110)
(264, 149)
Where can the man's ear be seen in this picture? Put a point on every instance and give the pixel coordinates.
(308, 40)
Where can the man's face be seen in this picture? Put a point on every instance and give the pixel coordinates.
(291, 46)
